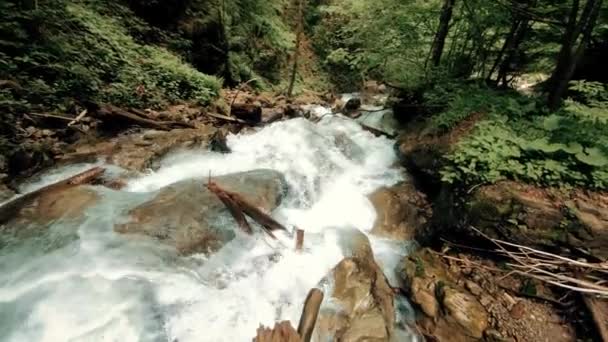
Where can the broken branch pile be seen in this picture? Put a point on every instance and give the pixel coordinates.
(575, 275)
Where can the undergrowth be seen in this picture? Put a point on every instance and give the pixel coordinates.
(67, 52)
(518, 139)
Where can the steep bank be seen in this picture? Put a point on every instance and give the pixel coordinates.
(463, 266)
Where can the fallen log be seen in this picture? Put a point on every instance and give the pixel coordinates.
(107, 112)
(250, 113)
(12, 208)
(308, 319)
(233, 207)
(237, 205)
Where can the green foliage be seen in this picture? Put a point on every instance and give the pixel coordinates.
(463, 101)
(518, 141)
(358, 40)
(68, 52)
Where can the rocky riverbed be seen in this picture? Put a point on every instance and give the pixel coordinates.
(149, 253)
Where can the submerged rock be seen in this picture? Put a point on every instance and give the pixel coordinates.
(403, 212)
(192, 219)
(451, 313)
(361, 305)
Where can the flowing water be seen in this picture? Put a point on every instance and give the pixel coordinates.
(87, 283)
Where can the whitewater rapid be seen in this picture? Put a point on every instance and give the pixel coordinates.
(87, 283)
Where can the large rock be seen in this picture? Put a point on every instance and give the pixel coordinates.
(192, 219)
(450, 312)
(139, 151)
(361, 305)
(402, 211)
(538, 217)
(32, 217)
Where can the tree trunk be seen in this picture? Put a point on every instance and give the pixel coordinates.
(225, 43)
(296, 54)
(520, 24)
(442, 32)
(573, 48)
(511, 52)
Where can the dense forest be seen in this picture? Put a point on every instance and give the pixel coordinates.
(501, 108)
(449, 59)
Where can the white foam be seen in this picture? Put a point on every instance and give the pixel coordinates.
(103, 287)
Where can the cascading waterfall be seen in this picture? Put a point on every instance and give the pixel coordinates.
(87, 283)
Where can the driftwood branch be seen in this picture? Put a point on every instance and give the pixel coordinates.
(238, 206)
(78, 118)
(299, 239)
(308, 319)
(108, 112)
(11, 208)
(51, 116)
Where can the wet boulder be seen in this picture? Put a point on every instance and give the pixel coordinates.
(352, 105)
(402, 212)
(450, 312)
(31, 218)
(139, 151)
(360, 307)
(187, 216)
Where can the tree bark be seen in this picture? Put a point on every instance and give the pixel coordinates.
(442, 32)
(577, 36)
(511, 52)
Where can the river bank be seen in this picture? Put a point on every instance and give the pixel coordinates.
(313, 169)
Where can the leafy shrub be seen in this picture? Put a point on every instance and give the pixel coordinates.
(517, 141)
(66, 52)
(463, 101)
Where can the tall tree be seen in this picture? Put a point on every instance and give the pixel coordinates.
(574, 41)
(520, 24)
(296, 54)
(442, 32)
